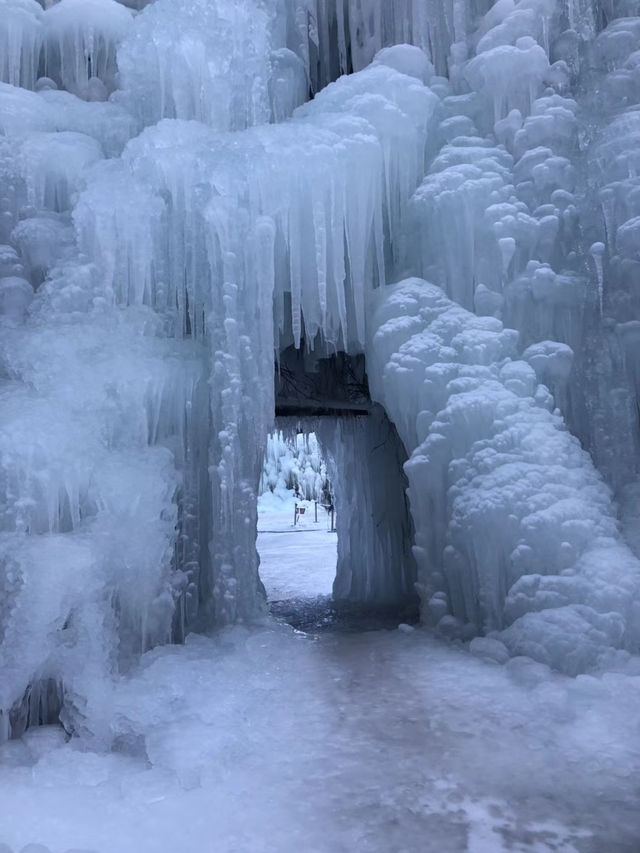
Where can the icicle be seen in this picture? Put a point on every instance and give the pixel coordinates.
(597, 251)
(21, 38)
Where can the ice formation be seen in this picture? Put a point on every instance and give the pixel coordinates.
(376, 566)
(176, 211)
(295, 463)
(526, 546)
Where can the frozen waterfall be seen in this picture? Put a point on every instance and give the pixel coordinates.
(447, 188)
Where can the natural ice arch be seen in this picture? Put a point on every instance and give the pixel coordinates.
(166, 299)
(329, 395)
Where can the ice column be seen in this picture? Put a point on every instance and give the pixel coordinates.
(375, 563)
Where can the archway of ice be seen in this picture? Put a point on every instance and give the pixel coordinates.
(139, 376)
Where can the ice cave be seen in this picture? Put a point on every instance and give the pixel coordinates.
(408, 230)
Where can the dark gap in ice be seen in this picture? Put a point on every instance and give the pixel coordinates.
(323, 614)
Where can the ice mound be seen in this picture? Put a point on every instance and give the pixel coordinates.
(516, 532)
(23, 113)
(509, 74)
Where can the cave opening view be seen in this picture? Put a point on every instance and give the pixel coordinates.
(297, 538)
(319, 426)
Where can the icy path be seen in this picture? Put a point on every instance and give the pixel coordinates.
(266, 740)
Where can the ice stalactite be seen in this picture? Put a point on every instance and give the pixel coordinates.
(81, 38)
(72, 43)
(339, 36)
(294, 462)
(20, 42)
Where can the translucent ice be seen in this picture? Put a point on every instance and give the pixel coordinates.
(201, 60)
(80, 42)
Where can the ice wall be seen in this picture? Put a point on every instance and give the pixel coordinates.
(516, 533)
(526, 216)
(536, 163)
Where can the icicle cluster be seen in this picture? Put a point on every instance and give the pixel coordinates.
(73, 43)
(294, 463)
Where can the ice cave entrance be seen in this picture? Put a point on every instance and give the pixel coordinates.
(337, 457)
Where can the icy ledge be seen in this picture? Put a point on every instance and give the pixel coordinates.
(516, 533)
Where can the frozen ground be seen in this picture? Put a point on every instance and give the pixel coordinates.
(268, 740)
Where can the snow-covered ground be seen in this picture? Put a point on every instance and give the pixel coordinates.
(267, 740)
(295, 560)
